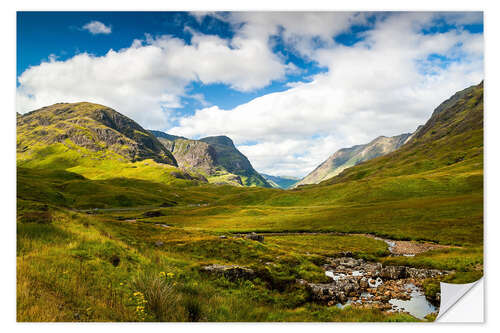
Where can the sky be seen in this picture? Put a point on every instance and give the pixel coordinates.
(289, 88)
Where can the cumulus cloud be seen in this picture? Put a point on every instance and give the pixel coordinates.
(300, 31)
(385, 85)
(147, 80)
(96, 27)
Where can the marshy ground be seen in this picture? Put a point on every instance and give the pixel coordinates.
(101, 265)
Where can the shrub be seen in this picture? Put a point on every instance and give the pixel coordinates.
(160, 294)
(193, 309)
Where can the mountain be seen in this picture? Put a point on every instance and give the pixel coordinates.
(216, 158)
(93, 127)
(348, 157)
(192, 154)
(163, 135)
(450, 144)
(90, 156)
(282, 182)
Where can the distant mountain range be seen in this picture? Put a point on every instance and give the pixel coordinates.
(347, 157)
(283, 182)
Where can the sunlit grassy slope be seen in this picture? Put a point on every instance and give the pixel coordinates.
(92, 126)
(67, 268)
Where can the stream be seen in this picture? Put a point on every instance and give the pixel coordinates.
(418, 306)
(368, 283)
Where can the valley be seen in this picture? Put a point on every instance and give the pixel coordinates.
(118, 223)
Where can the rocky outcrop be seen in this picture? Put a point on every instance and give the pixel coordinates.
(255, 237)
(230, 272)
(192, 155)
(216, 157)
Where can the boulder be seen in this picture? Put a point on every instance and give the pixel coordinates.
(230, 272)
(363, 283)
(255, 237)
(421, 273)
(153, 213)
(393, 272)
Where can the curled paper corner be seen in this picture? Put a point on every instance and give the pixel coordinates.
(461, 302)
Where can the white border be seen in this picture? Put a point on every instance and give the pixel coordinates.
(7, 132)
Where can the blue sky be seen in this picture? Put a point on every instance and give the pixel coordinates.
(289, 88)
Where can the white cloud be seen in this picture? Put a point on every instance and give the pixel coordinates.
(385, 85)
(300, 31)
(96, 27)
(148, 79)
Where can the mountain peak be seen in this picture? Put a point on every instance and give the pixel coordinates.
(219, 140)
(92, 126)
(216, 157)
(163, 135)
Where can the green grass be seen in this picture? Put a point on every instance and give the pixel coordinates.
(65, 272)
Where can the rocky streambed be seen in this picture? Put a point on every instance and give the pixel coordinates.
(360, 283)
(407, 248)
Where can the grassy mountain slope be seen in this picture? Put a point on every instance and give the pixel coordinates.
(91, 126)
(94, 143)
(348, 157)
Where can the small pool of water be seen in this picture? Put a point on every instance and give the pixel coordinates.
(391, 244)
(335, 276)
(418, 306)
(357, 273)
(377, 283)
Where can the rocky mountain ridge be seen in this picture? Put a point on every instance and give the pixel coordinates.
(347, 157)
(216, 158)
